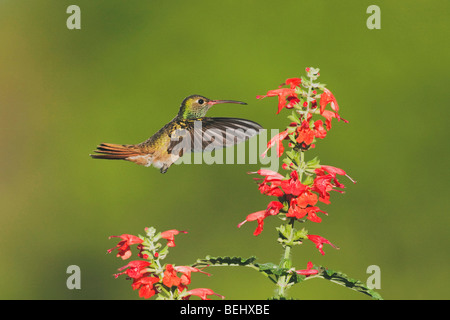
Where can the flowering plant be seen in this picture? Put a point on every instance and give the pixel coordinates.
(150, 276)
(297, 197)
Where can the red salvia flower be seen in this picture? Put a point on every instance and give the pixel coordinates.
(170, 277)
(326, 98)
(304, 133)
(135, 269)
(309, 270)
(202, 293)
(293, 185)
(274, 179)
(282, 94)
(145, 286)
(268, 174)
(292, 101)
(272, 209)
(169, 235)
(124, 246)
(304, 205)
(270, 190)
(292, 83)
(259, 216)
(319, 130)
(276, 141)
(186, 273)
(326, 181)
(319, 242)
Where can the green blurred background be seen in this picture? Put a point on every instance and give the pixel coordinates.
(124, 74)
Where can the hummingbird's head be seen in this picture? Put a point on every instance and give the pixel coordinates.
(196, 106)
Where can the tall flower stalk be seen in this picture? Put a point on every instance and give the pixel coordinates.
(307, 182)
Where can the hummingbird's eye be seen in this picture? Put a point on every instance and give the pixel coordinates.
(200, 101)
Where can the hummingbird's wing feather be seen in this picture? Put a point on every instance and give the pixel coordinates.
(207, 134)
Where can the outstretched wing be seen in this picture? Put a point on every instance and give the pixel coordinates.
(207, 134)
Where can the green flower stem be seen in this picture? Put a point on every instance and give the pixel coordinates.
(301, 165)
(286, 263)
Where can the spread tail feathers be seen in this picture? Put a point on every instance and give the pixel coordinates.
(116, 151)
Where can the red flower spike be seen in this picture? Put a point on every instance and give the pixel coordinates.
(124, 246)
(169, 235)
(319, 242)
(309, 270)
(202, 293)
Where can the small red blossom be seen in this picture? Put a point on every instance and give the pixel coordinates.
(319, 130)
(135, 269)
(292, 101)
(145, 286)
(326, 98)
(304, 133)
(319, 242)
(270, 184)
(202, 293)
(309, 270)
(293, 186)
(259, 216)
(326, 181)
(276, 141)
(123, 246)
(282, 94)
(186, 273)
(273, 208)
(292, 83)
(268, 174)
(141, 248)
(270, 190)
(169, 235)
(170, 277)
(304, 205)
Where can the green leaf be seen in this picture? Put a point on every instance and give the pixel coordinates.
(314, 163)
(309, 180)
(344, 280)
(224, 261)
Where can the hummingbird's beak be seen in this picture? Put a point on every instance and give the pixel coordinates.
(213, 102)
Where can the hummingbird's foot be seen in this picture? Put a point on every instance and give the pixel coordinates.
(164, 169)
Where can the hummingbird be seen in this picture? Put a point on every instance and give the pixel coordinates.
(188, 131)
